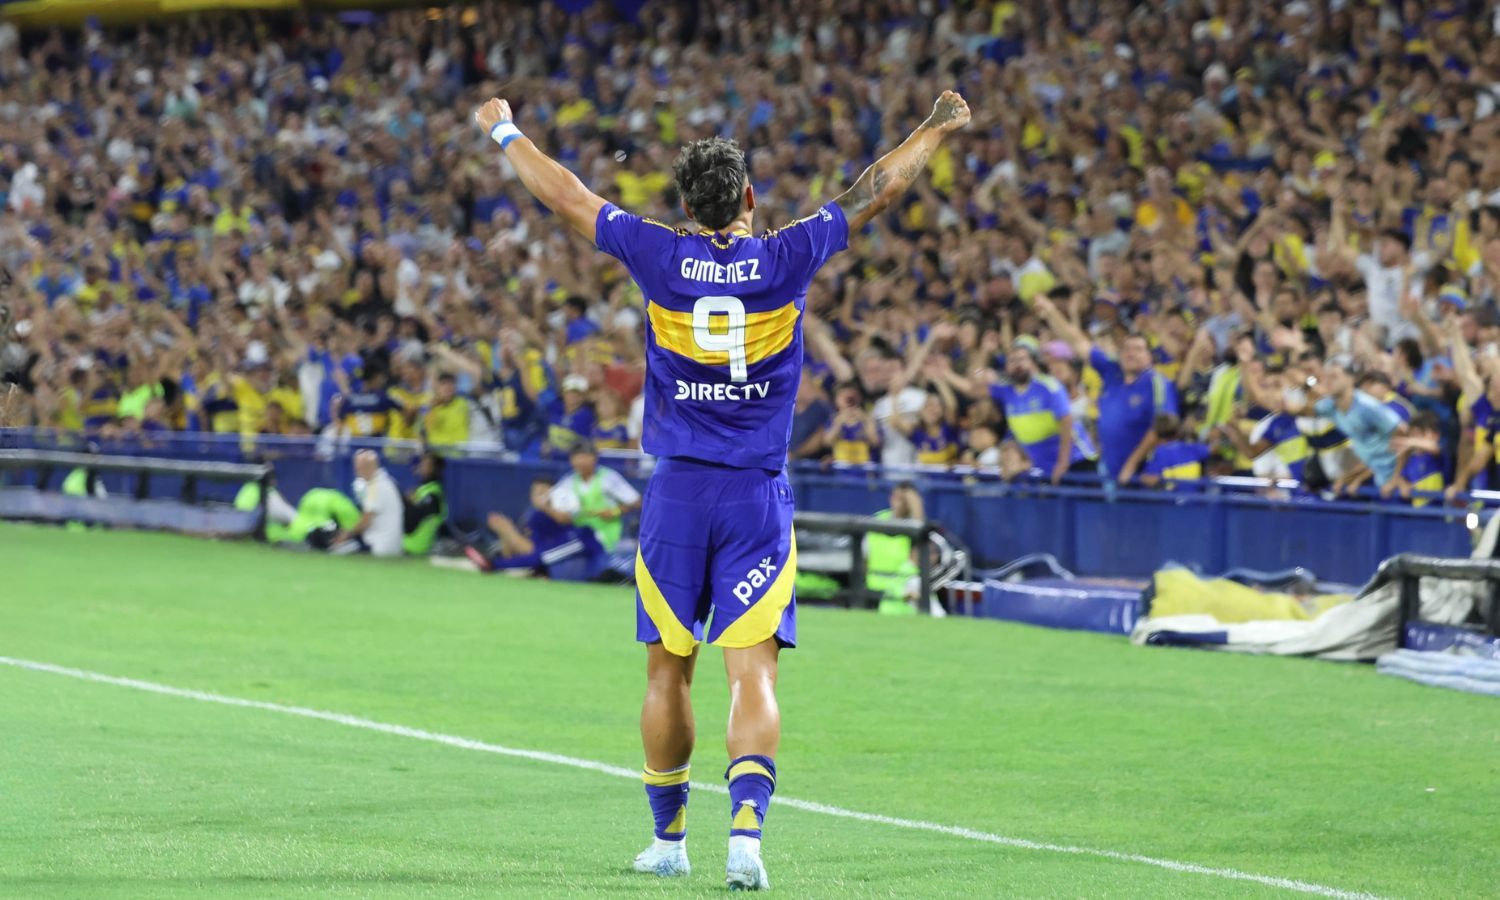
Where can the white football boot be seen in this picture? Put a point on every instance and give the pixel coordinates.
(745, 871)
(667, 859)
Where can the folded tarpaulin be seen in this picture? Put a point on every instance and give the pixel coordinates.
(1474, 674)
(1176, 591)
(1361, 629)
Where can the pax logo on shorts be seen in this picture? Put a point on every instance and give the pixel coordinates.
(754, 580)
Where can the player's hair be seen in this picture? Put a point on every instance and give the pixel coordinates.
(710, 176)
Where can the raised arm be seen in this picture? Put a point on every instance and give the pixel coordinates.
(884, 182)
(1065, 330)
(1469, 379)
(546, 179)
(826, 349)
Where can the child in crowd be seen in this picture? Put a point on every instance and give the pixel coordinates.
(1420, 465)
(1164, 459)
(1015, 465)
(983, 451)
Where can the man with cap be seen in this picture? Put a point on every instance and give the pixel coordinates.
(1131, 395)
(574, 420)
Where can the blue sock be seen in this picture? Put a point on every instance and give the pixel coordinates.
(752, 780)
(668, 793)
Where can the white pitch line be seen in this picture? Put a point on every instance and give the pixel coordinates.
(464, 743)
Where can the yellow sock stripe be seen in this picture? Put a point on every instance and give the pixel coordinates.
(675, 636)
(665, 779)
(761, 620)
(679, 821)
(749, 767)
(744, 819)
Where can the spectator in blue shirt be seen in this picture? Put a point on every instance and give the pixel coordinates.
(1369, 424)
(579, 325)
(809, 419)
(1132, 393)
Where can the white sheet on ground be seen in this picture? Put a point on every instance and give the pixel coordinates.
(1362, 629)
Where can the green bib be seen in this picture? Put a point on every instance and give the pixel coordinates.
(77, 483)
(887, 554)
(591, 502)
(419, 541)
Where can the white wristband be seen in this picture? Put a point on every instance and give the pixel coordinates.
(504, 132)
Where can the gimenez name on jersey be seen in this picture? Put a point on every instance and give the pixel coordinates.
(722, 392)
(721, 273)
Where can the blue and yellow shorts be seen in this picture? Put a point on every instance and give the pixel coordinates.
(717, 552)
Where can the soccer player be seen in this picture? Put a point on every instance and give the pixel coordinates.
(723, 360)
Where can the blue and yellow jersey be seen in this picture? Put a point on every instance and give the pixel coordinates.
(517, 409)
(219, 405)
(100, 406)
(723, 332)
(1033, 415)
(936, 447)
(408, 403)
(568, 428)
(368, 413)
(1424, 472)
(1176, 461)
(611, 435)
(1287, 441)
(1322, 434)
(850, 446)
(1486, 425)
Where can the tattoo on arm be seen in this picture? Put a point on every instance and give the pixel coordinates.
(864, 191)
(946, 111)
(878, 187)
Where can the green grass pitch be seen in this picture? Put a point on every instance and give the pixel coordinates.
(1326, 774)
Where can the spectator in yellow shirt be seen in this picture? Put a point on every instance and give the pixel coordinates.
(412, 397)
(446, 420)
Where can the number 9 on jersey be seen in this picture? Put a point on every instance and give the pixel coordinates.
(730, 340)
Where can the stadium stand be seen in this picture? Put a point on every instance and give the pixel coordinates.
(1200, 239)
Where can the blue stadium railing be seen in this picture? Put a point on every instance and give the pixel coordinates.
(1093, 528)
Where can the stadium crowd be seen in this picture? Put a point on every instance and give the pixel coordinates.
(1179, 239)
